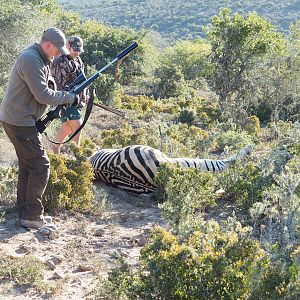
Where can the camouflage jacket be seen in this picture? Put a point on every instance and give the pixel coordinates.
(65, 70)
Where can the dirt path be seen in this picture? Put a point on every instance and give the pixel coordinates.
(86, 245)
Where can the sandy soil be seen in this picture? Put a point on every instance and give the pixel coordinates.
(87, 245)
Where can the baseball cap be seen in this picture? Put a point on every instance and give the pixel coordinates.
(57, 38)
(76, 43)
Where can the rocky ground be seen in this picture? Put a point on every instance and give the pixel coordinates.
(86, 247)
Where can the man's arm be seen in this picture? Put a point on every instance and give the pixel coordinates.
(31, 70)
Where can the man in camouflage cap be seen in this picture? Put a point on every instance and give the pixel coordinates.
(64, 70)
(76, 43)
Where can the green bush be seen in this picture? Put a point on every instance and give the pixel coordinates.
(171, 81)
(187, 116)
(244, 184)
(252, 125)
(8, 184)
(293, 288)
(27, 270)
(123, 136)
(184, 194)
(231, 139)
(140, 104)
(181, 140)
(70, 182)
(212, 263)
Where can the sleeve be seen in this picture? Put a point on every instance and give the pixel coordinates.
(33, 73)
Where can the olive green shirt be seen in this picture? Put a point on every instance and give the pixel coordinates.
(27, 94)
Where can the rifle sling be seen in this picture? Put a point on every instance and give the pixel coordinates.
(87, 114)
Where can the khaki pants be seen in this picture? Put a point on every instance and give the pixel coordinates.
(34, 169)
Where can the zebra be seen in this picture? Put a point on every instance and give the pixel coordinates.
(133, 168)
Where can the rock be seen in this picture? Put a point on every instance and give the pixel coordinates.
(76, 282)
(33, 240)
(85, 268)
(23, 249)
(44, 231)
(57, 259)
(99, 232)
(142, 241)
(49, 230)
(49, 264)
(53, 235)
(58, 275)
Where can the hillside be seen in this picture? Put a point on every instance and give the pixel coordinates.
(178, 19)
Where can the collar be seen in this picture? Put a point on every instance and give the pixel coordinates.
(38, 47)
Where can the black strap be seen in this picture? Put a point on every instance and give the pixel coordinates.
(88, 111)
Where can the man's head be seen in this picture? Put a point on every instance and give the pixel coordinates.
(53, 43)
(75, 46)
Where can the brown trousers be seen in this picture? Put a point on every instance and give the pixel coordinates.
(34, 169)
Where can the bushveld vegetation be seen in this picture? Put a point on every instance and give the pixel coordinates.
(197, 98)
(177, 19)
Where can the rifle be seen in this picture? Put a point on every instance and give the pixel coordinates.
(79, 84)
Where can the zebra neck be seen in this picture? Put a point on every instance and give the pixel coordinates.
(203, 164)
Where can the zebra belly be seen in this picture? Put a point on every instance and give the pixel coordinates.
(125, 182)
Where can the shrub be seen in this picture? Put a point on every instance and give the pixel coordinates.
(252, 125)
(187, 116)
(181, 140)
(140, 104)
(123, 136)
(171, 81)
(8, 184)
(212, 263)
(208, 111)
(293, 288)
(70, 182)
(184, 194)
(231, 139)
(24, 270)
(243, 184)
(279, 208)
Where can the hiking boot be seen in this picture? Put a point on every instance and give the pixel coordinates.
(32, 224)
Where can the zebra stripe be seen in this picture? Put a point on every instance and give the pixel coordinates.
(133, 168)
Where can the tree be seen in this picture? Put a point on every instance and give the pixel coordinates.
(21, 23)
(190, 56)
(170, 81)
(103, 43)
(239, 44)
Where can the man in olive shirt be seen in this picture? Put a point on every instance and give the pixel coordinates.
(26, 98)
